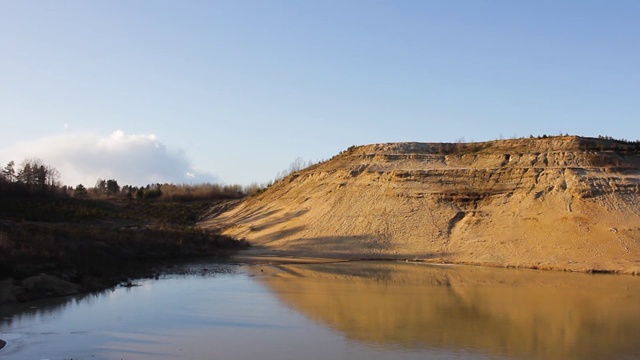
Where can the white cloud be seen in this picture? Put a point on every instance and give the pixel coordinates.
(130, 159)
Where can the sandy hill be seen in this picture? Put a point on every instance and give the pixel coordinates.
(566, 203)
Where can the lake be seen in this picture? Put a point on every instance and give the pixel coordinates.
(352, 310)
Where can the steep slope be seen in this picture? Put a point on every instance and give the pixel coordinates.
(556, 203)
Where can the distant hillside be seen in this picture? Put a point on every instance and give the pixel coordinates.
(565, 203)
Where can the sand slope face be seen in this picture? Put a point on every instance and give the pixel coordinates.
(554, 203)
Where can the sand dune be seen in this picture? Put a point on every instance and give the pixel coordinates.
(563, 203)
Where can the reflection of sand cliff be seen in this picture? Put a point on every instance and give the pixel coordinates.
(502, 312)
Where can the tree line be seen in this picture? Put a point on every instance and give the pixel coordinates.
(33, 177)
(108, 189)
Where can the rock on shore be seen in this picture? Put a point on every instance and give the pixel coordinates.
(35, 287)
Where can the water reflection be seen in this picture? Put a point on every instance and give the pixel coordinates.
(10, 313)
(117, 323)
(502, 312)
(344, 311)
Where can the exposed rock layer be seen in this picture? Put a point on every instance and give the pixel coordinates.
(565, 203)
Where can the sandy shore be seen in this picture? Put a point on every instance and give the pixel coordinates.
(259, 255)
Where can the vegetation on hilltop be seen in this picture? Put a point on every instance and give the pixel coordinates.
(462, 147)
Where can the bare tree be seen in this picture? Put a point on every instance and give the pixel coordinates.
(297, 165)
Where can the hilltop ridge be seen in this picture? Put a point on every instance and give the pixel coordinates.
(564, 203)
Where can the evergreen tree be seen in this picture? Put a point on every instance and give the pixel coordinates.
(9, 172)
(112, 187)
(80, 192)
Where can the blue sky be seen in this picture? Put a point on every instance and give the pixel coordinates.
(234, 91)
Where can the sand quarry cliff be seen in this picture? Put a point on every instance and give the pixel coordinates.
(564, 203)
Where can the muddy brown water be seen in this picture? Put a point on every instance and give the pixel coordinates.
(356, 310)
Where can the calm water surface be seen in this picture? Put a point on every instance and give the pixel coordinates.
(338, 311)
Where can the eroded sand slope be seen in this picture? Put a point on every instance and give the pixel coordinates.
(554, 203)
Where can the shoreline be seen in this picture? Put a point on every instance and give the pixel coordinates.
(51, 285)
(45, 286)
(258, 255)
